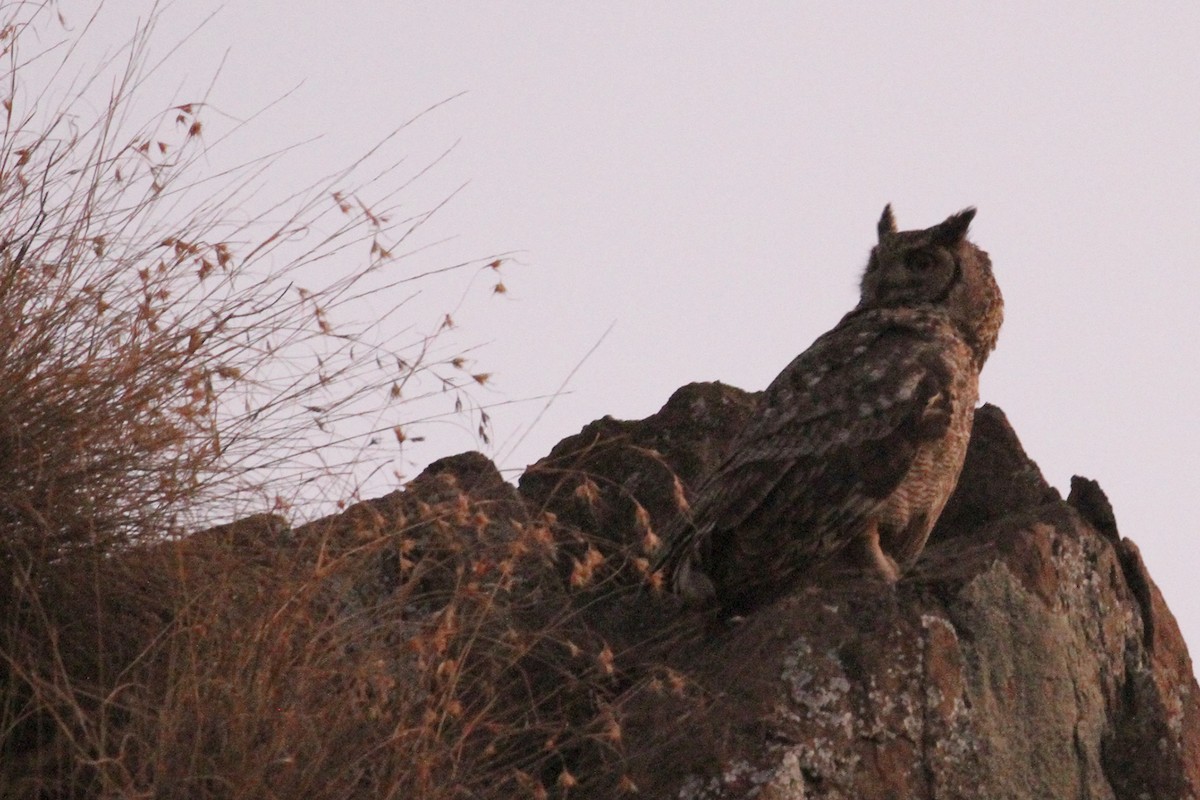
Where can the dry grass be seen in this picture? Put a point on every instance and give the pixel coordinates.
(160, 370)
(435, 644)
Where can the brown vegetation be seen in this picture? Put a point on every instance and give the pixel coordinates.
(160, 370)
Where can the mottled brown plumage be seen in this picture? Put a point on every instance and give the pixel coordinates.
(858, 443)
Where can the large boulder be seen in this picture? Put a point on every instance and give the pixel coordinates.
(1027, 655)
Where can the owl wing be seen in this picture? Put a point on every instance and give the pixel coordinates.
(836, 433)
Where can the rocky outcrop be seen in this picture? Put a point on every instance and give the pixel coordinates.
(1027, 655)
(468, 638)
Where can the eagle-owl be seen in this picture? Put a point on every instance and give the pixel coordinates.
(858, 443)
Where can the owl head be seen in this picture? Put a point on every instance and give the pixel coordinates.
(936, 267)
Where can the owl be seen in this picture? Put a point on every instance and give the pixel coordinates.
(858, 443)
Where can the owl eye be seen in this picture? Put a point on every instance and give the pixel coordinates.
(919, 260)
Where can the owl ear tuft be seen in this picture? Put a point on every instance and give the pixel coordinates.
(887, 223)
(954, 229)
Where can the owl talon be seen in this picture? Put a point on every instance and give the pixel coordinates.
(866, 554)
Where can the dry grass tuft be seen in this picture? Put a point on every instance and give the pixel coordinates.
(161, 369)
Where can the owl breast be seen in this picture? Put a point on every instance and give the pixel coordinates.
(911, 511)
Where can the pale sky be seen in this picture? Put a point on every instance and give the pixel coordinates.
(706, 177)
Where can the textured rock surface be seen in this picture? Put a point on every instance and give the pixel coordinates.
(517, 636)
(1028, 654)
(596, 479)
